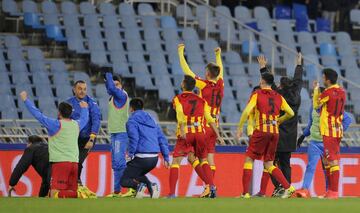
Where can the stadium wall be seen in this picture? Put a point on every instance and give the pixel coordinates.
(229, 162)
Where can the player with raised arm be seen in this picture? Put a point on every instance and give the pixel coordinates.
(191, 113)
(212, 90)
(332, 104)
(63, 146)
(267, 104)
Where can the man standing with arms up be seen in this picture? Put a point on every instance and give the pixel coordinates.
(212, 91)
(63, 153)
(87, 135)
(117, 118)
(263, 142)
(332, 103)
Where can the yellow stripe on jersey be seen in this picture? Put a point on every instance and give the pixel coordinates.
(248, 109)
(271, 118)
(192, 120)
(200, 123)
(277, 126)
(333, 126)
(263, 117)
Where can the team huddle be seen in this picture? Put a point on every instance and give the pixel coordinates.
(136, 138)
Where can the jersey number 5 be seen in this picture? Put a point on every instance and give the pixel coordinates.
(272, 106)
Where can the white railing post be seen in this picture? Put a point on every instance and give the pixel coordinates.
(273, 59)
(250, 49)
(185, 12)
(207, 24)
(168, 6)
(228, 37)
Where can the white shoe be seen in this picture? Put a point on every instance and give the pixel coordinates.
(140, 192)
(155, 191)
(288, 192)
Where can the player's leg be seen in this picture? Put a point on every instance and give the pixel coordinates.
(195, 162)
(264, 183)
(174, 173)
(210, 142)
(247, 175)
(147, 165)
(332, 150)
(83, 153)
(314, 155)
(133, 170)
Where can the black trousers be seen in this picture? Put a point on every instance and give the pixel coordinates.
(282, 161)
(45, 183)
(83, 153)
(136, 170)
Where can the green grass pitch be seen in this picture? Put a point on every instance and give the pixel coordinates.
(183, 205)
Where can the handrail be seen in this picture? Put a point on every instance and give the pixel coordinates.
(273, 41)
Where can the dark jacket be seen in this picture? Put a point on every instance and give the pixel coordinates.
(145, 135)
(288, 129)
(36, 155)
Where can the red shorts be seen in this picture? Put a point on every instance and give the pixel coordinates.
(194, 142)
(210, 138)
(331, 148)
(64, 176)
(261, 145)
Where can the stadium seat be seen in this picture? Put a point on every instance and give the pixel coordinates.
(299, 10)
(126, 9)
(355, 16)
(91, 20)
(145, 10)
(323, 37)
(29, 7)
(168, 22)
(87, 8)
(73, 32)
(18, 66)
(15, 53)
(51, 19)
(71, 20)
(152, 34)
(76, 45)
(107, 8)
(242, 13)
(64, 92)
(261, 13)
(37, 66)
(128, 21)
(110, 21)
(95, 43)
(282, 12)
(20, 78)
(329, 60)
(114, 45)
(205, 19)
(181, 10)
(57, 66)
(100, 90)
(302, 24)
(12, 41)
(117, 56)
(305, 37)
(323, 25)
(236, 69)
(61, 78)
(10, 7)
(248, 47)
(149, 22)
(343, 38)
(68, 7)
(93, 32)
(40, 78)
(98, 57)
(283, 26)
(54, 32)
(10, 113)
(34, 53)
(327, 49)
(49, 7)
(232, 57)
(32, 20)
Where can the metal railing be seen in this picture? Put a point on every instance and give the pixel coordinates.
(17, 131)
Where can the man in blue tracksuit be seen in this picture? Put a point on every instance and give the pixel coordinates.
(117, 118)
(315, 148)
(87, 135)
(146, 140)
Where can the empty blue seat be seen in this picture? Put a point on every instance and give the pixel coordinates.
(5, 88)
(71, 20)
(82, 76)
(9, 113)
(300, 11)
(15, 53)
(87, 8)
(189, 34)
(134, 44)
(168, 22)
(236, 69)
(91, 20)
(210, 45)
(261, 13)
(51, 19)
(12, 41)
(181, 10)
(54, 32)
(126, 9)
(323, 37)
(170, 34)
(242, 13)
(145, 10)
(149, 22)
(329, 60)
(302, 24)
(110, 21)
(343, 39)
(64, 92)
(153, 45)
(29, 7)
(151, 34)
(114, 44)
(20, 78)
(128, 21)
(282, 12)
(327, 49)
(232, 57)
(61, 78)
(96, 44)
(37, 66)
(18, 66)
(32, 20)
(107, 8)
(112, 33)
(117, 56)
(57, 66)
(76, 44)
(135, 56)
(93, 32)
(132, 33)
(10, 6)
(323, 25)
(73, 32)
(248, 47)
(159, 68)
(122, 68)
(205, 18)
(34, 53)
(68, 7)
(99, 58)
(49, 7)
(40, 78)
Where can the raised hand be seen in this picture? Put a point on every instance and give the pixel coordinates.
(181, 47)
(217, 50)
(23, 95)
(262, 61)
(299, 58)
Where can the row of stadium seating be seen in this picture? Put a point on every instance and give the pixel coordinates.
(143, 45)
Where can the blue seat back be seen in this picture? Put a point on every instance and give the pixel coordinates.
(322, 25)
(282, 12)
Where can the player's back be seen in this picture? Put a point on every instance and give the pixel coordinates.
(267, 110)
(336, 103)
(213, 94)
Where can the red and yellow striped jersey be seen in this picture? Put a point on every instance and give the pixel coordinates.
(267, 105)
(191, 111)
(332, 103)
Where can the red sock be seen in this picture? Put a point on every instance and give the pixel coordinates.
(207, 173)
(328, 179)
(213, 169)
(278, 175)
(198, 170)
(246, 178)
(334, 178)
(264, 182)
(67, 194)
(173, 178)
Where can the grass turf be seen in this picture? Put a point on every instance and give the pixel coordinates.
(183, 205)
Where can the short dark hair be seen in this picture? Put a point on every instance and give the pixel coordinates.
(268, 78)
(65, 109)
(189, 83)
(34, 139)
(330, 75)
(137, 104)
(213, 69)
(79, 82)
(117, 78)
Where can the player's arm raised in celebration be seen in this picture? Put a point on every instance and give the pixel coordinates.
(186, 69)
(180, 117)
(298, 74)
(262, 63)
(219, 62)
(112, 90)
(289, 113)
(245, 115)
(319, 99)
(212, 122)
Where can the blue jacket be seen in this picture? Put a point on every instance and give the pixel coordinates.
(53, 125)
(93, 125)
(145, 135)
(346, 122)
(119, 95)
